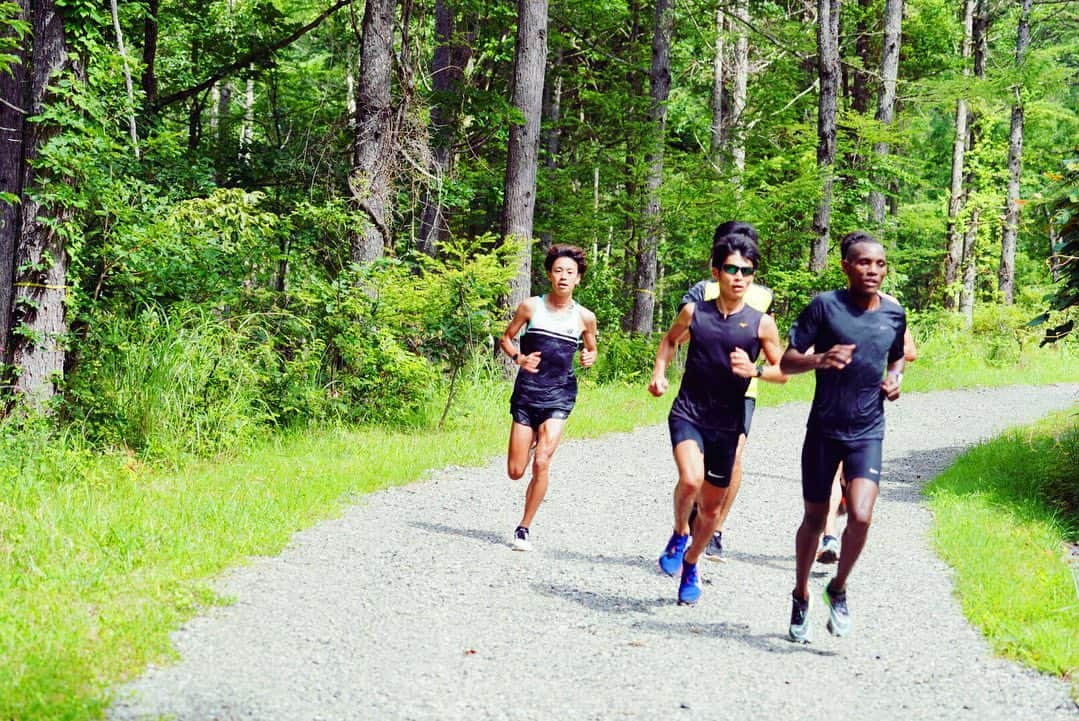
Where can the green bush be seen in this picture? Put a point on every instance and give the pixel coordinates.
(1062, 477)
(623, 357)
(165, 386)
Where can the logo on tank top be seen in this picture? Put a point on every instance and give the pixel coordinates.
(743, 325)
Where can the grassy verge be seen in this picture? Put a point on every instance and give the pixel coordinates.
(1005, 514)
(101, 557)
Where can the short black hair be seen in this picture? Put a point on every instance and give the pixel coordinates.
(561, 250)
(735, 226)
(854, 238)
(731, 243)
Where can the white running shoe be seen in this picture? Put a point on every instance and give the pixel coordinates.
(520, 540)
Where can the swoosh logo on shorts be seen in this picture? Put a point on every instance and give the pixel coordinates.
(713, 475)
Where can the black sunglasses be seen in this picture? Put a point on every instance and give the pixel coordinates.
(747, 270)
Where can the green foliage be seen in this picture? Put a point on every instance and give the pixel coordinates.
(623, 358)
(166, 387)
(1064, 206)
(1001, 523)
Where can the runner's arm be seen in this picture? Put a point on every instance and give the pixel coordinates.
(677, 334)
(588, 337)
(508, 342)
(773, 351)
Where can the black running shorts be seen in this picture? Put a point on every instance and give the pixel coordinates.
(821, 457)
(535, 417)
(718, 447)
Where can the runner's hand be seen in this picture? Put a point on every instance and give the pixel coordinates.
(890, 387)
(530, 363)
(658, 386)
(837, 357)
(588, 357)
(741, 365)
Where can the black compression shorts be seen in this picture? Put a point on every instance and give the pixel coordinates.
(718, 447)
(821, 457)
(747, 416)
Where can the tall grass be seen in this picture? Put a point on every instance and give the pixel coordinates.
(1002, 524)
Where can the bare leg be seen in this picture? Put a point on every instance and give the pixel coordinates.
(861, 497)
(550, 433)
(833, 504)
(522, 438)
(690, 461)
(805, 544)
(710, 501)
(732, 490)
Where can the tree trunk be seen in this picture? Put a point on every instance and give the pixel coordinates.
(39, 322)
(644, 298)
(369, 179)
(859, 94)
(631, 246)
(447, 71)
(530, 61)
(132, 129)
(149, 54)
(957, 197)
(969, 260)
(828, 72)
(969, 265)
(889, 72)
(740, 72)
(1015, 168)
(718, 139)
(14, 88)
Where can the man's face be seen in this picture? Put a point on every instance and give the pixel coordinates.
(563, 275)
(865, 267)
(735, 275)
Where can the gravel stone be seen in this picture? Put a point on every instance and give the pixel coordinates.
(411, 604)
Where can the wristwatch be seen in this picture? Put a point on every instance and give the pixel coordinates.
(760, 371)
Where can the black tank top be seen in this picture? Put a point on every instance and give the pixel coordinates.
(556, 336)
(711, 396)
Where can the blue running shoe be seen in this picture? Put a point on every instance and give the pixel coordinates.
(689, 590)
(671, 560)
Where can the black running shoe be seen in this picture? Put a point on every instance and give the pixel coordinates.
(714, 550)
(838, 616)
(799, 628)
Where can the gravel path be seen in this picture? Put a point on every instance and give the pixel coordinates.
(412, 606)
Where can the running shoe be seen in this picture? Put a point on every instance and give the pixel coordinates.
(838, 615)
(671, 560)
(714, 550)
(829, 550)
(520, 540)
(799, 629)
(689, 588)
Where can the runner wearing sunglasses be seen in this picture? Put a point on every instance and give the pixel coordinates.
(707, 418)
(760, 297)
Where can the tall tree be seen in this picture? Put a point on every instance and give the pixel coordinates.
(968, 263)
(530, 59)
(718, 135)
(1015, 166)
(41, 260)
(373, 151)
(828, 74)
(644, 296)
(889, 73)
(739, 83)
(452, 53)
(955, 235)
(14, 90)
